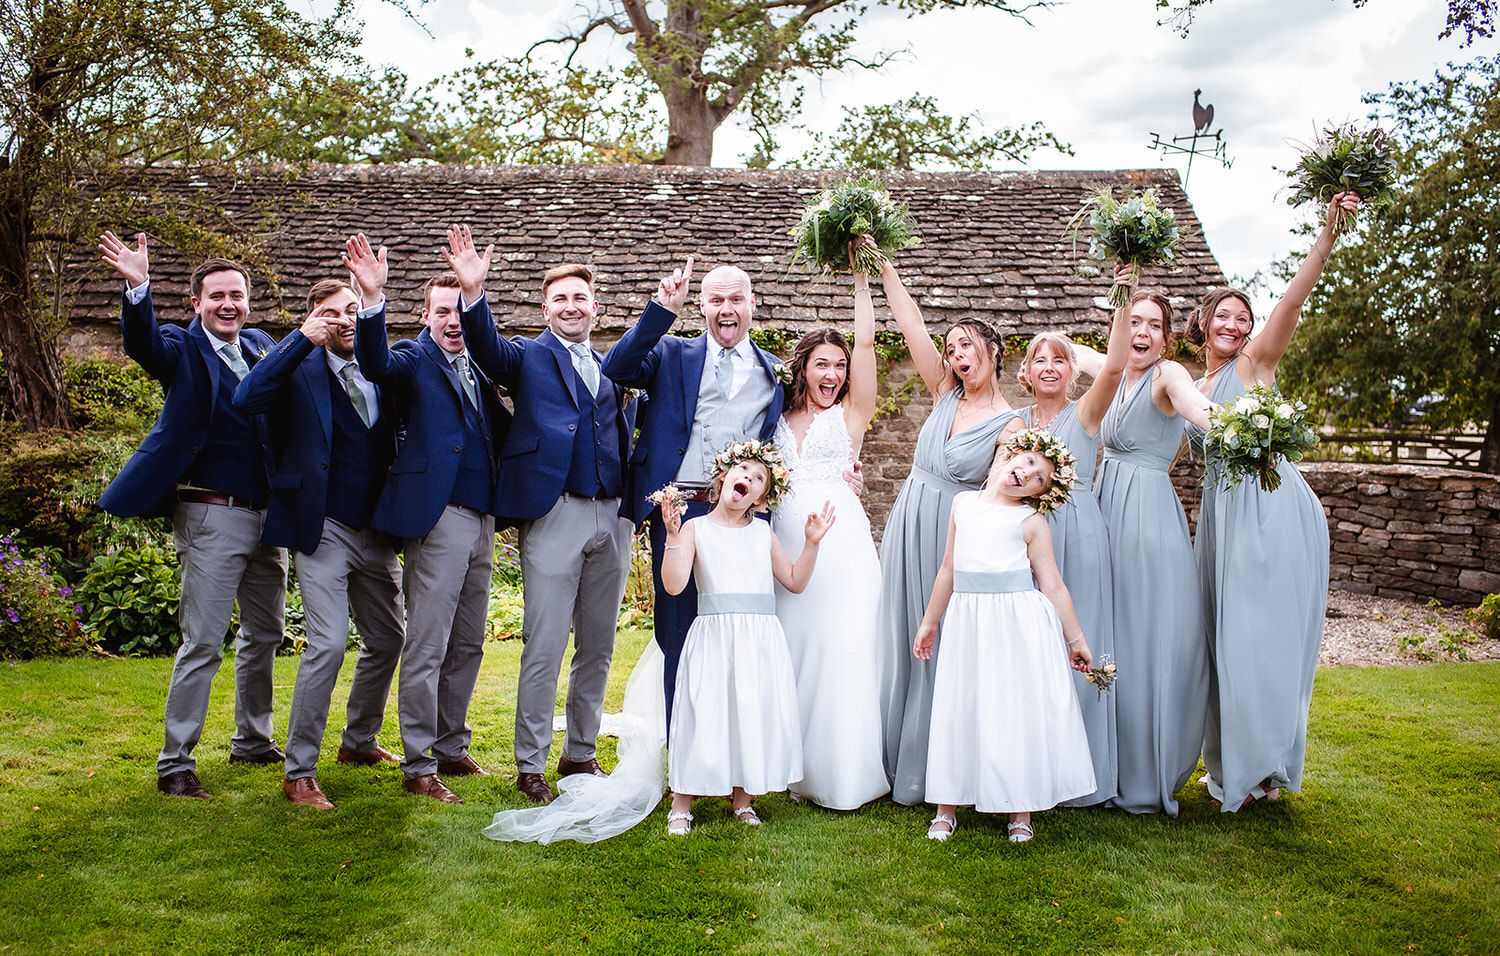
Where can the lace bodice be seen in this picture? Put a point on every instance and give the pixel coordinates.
(826, 449)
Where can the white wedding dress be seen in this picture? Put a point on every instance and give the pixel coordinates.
(830, 626)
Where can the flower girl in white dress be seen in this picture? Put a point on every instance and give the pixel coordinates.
(735, 730)
(1007, 734)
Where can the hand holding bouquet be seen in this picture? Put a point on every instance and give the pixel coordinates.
(1250, 435)
(1138, 231)
(1346, 159)
(855, 207)
(1102, 675)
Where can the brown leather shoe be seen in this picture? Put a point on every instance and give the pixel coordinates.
(183, 783)
(566, 767)
(428, 785)
(274, 755)
(534, 786)
(305, 792)
(465, 767)
(368, 758)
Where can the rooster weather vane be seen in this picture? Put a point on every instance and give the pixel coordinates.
(1213, 147)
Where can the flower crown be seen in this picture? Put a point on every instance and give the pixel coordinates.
(756, 450)
(1064, 475)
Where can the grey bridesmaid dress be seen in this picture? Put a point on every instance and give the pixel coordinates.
(1263, 561)
(911, 551)
(1081, 543)
(1162, 694)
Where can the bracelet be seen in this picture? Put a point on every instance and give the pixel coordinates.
(670, 547)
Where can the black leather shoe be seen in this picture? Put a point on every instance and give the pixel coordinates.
(183, 783)
(274, 755)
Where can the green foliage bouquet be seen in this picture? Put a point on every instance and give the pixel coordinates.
(1346, 159)
(1250, 435)
(854, 207)
(1136, 231)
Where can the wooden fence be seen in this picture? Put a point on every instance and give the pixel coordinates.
(1452, 450)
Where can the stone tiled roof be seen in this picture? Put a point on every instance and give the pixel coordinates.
(992, 244)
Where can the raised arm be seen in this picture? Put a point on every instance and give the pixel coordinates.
(257, 391)
(1265, 350)
(864, 383)
(925, 355)
(633, 360)
(677, 559)
(141, 336)
(497, 358)
(794, 576)
(1095, 401)
(1049, 581)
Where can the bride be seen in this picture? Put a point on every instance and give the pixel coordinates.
(830, 626)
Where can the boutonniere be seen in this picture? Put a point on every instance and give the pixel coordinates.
(631, 395)
(782, 373)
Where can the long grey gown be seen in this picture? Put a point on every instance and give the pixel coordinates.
(1162, 694)
(911, 551)
(1263, 561)
(1080, 542)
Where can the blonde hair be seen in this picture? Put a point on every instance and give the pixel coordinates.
(1059, 342)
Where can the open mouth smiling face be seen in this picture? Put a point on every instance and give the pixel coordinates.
(745, 484)
(1147, 333)
(827, 371)
(441, 316)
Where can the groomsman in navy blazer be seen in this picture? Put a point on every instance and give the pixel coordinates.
(702, 394)
(333, 444)
(204, 463)
(561, 474)
(440, 498)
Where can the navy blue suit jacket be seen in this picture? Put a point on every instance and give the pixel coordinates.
(548, 395)
(670, 371)
(183, 360)
(291, 383)
(419, 381)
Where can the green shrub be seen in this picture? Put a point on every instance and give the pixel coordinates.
(1486, 617)
(130, 600)
(105, 394)
(37, 615)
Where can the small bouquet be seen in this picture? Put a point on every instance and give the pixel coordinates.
(1250, 435)
(1102, 675)
(669, 494)
(1346, 159)
(854, 207)
(1136, 231)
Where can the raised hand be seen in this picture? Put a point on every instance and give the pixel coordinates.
(322, 329)
(466, 261)
(671, 516)
(672, 293)
(926, 638)
(818, 524)
(1336, 210)
(1128, 276)
(367, 268)
(132, 264)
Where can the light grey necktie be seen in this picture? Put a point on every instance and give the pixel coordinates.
(461, 366)
(236, 359)
(586, 367)
(724, 374)
(356, 394)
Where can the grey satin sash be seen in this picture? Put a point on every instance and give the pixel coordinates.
(993, 582)
(731, 602)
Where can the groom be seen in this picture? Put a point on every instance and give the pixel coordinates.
(704, 393)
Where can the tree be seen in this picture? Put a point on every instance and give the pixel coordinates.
(1408, 313)
(97, 97)
(912, 134)
(709, 58)
(1473, 17)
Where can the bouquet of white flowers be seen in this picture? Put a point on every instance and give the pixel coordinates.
(1137, 231)
(1250, 435)
(840, 215)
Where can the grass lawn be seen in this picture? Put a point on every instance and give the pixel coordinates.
(1393, 847)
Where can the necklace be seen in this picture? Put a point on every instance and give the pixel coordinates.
(1036, 416)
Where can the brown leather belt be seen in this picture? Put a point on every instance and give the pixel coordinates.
(214, 498)
(690, 493)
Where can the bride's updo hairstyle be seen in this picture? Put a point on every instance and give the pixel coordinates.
(802, 354)
(982, 332)
(1197, 323)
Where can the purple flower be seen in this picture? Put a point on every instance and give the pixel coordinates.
(65, 591)
(77, 611)
(14, 617)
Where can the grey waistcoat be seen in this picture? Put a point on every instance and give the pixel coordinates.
(720, 419)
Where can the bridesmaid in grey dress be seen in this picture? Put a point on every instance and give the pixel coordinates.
(1263, 560)
(954, 451)
(1162, 693)
(1079, 539)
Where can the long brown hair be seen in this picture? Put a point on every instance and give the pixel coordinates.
(802, 354)
(1197, 322)
(1169, 338)
(983, 332)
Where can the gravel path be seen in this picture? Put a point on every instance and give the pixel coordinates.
(1361, 630)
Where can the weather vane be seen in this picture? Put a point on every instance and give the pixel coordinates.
(1203, 118)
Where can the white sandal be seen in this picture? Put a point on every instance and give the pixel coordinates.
(1018, 832)
(747, 816)
(679, 816)
(933, 833)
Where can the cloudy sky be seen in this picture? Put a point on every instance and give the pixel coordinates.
(1101, 74)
